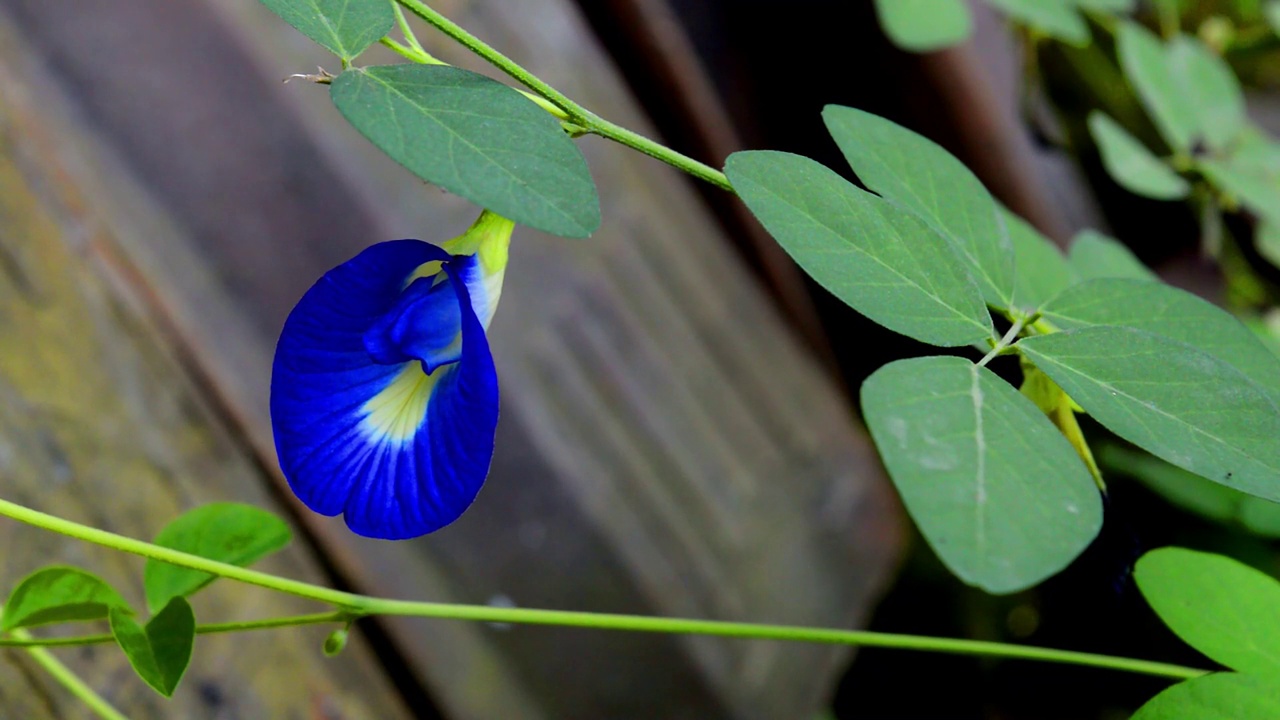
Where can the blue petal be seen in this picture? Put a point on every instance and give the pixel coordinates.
(399, 451)
(425, 325)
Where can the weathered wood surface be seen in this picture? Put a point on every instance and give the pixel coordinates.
(100, 422)
(665, 448)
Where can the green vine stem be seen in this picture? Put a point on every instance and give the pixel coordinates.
(576, 114)
(23, 639)
(353, 606)
(71, 681)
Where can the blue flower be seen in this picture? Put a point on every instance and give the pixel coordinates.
(384, 397)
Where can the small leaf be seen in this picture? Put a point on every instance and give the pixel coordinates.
(475, 137)
(344, 27)
(881, 260)
(160, 651)
(1094, 255)
(1130, 164)
(227, 532)
(59, 594)
(1108, 6)
(1146, 64)
(924, 25)
(918, 174)
(996, 490)
(1220, 696)
(1211, 86)
(1055, 18)
(1040, 270)
(1219, 606)
(1267, 241)
(1173, 313)
(1252, 184)
(1272, 10)
(1171, 399)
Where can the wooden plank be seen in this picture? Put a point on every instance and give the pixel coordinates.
(666, 445)
(101, 423)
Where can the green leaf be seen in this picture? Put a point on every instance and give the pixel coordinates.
(918, 174)
(1220, 696)
(227, 532)
(1194, 493)
(1272, 12)
(881, 260)
(1146, 64)
(1173, 313)
(475, 137)
(1130, 164)
(996, 490)
(1267, 241)
(344, 27)
(1211, 86)
(1040, 270)
(1055, 18)
(160, 651)
(1175, 401)
(1108, 6)
(56, 594)
(1252, 184)
(1217, 605)
(1094, 255)
(924, 25)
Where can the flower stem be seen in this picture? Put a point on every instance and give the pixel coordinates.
(353, 606)
(575, 113)
(23, 639)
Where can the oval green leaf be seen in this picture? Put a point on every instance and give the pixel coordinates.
(58, 594)
(1130, 164)
(1040, 270)
(1055, 18)
(1173, 313)
(925, 25)
(475, 137)
(1171, 399)
(881, 260)
(1146, 64)
(916, 173)
(232, 533)
(344, 27)
(1217, 605)
(1211, 85)
(1220, 696)
(1094, 255)
(996, 490)
(160, 651)
(1252, 184)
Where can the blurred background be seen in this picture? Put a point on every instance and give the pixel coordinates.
(679, 433)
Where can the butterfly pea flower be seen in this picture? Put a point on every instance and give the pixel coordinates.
(384, 397)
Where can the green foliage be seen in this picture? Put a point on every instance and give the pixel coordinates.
(475, 137)
(915, 172)
(1212, 89)
(880, 259)
(159, 651)
(1055, 18)
(923, 25)
(1219, 606)
(344, 27)
(1130, 163)
(1221, 696)
(1094, 255)
(1160, 83)
(58, 594)
(1173, 400)
(1194, 493)
(1173, 313)
(1041, 271)
(227, 532)
(996, 490)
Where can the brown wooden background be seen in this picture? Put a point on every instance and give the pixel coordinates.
(668, 445)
